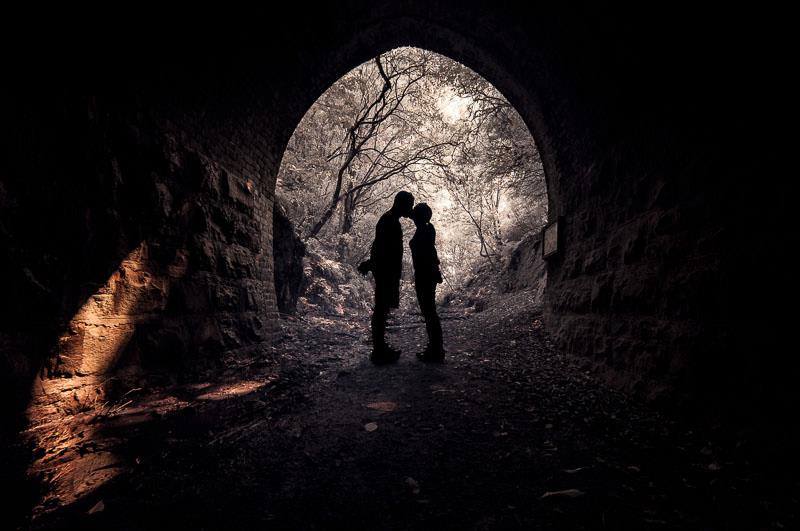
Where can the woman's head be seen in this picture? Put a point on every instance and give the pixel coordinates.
(421, 214)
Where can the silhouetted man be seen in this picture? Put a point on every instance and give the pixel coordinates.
(426, 275)
(386, 263)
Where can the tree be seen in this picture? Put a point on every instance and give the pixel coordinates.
(411, 119)
(497, 173)
(382, 141)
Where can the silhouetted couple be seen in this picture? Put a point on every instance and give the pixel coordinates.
(386, 263)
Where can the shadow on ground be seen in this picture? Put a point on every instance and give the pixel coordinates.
(507, 433)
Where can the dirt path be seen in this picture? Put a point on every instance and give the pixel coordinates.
(506, 434)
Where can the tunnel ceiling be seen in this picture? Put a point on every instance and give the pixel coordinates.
(144, 161)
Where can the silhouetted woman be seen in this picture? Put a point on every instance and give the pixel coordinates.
(426, 275)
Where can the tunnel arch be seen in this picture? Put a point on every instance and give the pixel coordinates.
(389, 33)
(650, 145)
(635, 158)
(291, 219)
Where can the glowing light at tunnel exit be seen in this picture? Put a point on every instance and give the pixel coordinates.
(452, 106)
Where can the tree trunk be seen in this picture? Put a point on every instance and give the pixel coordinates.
(348, 209)
(324, 219)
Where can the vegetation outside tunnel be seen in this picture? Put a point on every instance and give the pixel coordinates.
(412, 119)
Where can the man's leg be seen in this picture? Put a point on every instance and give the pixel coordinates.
(379, 315)
(381, 352)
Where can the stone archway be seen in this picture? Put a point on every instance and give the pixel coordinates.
(644, 226)
(136, 197)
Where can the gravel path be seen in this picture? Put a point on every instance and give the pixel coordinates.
(507, 433)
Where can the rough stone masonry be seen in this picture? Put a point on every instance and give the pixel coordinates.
(136, 196)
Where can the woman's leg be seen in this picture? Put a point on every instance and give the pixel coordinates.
(426, 295)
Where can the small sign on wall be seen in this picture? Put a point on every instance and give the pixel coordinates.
(550, 240)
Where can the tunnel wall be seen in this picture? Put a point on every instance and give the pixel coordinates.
(128, 253)
(169, 150)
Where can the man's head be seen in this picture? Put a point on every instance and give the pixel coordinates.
(422, 214)
(403, 204)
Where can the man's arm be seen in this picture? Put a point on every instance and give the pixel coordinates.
(365, 267)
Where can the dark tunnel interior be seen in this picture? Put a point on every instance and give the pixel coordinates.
(137, 235)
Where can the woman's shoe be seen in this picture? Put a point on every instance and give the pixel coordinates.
(435, 356)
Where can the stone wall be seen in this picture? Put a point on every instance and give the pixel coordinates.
(139, 255)
(640, 287)
(142, 176)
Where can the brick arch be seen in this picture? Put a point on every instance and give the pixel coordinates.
(173, 142)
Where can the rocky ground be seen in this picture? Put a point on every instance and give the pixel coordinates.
(507, 433)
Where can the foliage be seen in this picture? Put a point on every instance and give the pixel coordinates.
(411, 119)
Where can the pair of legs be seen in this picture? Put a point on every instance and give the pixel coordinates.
(387, 297)
(426, 296)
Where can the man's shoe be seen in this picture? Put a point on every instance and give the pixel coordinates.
(383, 355)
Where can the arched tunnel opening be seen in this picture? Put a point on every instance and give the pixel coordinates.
(410, 120)
(167, 363)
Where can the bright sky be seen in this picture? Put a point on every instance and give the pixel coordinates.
(443, 199)
(452, 106)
